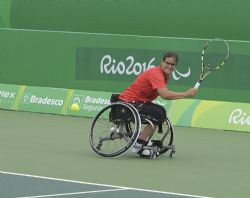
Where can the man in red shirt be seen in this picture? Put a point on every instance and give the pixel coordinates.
(147, 87)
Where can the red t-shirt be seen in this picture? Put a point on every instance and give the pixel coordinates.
(144, 88)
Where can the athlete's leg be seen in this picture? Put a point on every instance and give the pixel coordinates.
(156, 114)
(147, 132)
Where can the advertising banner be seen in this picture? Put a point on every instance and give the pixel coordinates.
(42, 99)
(8, 95)
(124, 65)
(90, 102)
(211, 114)
(222, 115)
(184, 112)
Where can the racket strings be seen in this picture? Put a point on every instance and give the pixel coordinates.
(215, 54)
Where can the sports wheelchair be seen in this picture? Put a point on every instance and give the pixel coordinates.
(116, 127)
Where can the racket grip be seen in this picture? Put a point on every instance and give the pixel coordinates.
(197, 85)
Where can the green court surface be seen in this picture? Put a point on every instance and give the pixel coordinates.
(43, 155)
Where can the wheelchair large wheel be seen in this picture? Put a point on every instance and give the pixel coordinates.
(165, 137)
(115, 129)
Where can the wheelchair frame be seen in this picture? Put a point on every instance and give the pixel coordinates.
(116, 127)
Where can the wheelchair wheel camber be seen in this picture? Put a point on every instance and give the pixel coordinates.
(115, 134)
(129, 139)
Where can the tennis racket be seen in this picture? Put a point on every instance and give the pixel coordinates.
(213, 57)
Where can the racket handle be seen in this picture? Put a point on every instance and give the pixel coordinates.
(197, 85)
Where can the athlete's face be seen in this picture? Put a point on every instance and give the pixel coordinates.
(168, 65)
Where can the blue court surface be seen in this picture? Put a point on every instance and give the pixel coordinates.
(14, 185)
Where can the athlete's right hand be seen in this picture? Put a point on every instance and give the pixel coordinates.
(191, 92)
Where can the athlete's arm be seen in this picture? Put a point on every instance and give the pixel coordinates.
(172, 95)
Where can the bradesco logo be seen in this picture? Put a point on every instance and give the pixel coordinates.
(29, 98)
(239, 116)
(78, 99)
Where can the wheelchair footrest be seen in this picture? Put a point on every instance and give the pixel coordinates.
(157, 143)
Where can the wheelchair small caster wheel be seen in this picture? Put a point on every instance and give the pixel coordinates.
(171, 154)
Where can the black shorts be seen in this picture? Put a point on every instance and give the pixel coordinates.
(154, 112)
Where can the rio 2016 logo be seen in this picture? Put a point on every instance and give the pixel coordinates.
(238, 116)
(130, 66)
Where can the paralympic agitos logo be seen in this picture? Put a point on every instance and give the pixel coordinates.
(130, 66)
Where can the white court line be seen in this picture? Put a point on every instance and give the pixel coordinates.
(113, 186)
(121, 35)
(75, 193)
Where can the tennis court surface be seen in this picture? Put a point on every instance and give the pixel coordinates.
(29, 186)
(37, 149)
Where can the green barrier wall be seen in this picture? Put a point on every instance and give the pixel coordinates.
(186, 112)
(176, 18)
(111, 62)
(51, 51)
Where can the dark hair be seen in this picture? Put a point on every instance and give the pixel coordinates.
(171, 54)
